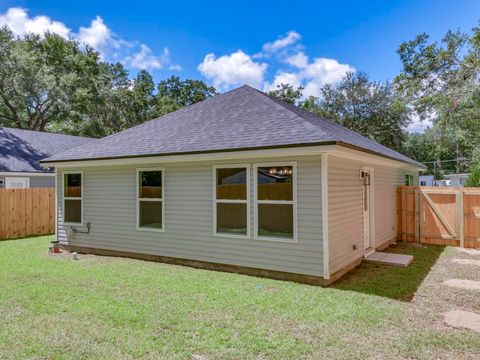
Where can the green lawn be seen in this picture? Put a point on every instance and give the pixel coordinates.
(99, 307)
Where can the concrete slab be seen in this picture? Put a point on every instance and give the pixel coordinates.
(463, 284)
(467, 262)
(469, 251)
(389, 259)
(463, 320)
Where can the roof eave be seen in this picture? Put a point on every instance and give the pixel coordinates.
(48, 162)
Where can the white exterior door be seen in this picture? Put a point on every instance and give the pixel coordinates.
(16, 183)
(367, 180)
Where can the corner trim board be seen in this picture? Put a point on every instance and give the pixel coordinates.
(325, 239)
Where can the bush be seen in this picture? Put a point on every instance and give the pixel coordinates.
(474, 177)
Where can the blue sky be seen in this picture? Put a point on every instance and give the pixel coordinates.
(261, 43)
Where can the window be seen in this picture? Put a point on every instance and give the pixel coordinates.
(72, 198)
(231, 194)
(409, 179)
(275, 201)
(150, 205)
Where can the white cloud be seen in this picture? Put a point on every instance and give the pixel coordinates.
(283, 77)
(98, 35)
(234, 69)
(175, 67)
(312, 76)
(323, 71)
(19, 22)
(287, 54)
(290, 38)
(145, 59)
(299, 60)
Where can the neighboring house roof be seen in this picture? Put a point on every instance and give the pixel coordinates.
(457, 176)
(241, 119)
(21, 150)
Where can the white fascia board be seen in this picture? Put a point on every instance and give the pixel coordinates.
(336, 150)
(23, 174)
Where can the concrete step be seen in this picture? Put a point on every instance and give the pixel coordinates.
(389, 259)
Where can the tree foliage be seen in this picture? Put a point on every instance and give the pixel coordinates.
(441, 82)
(49, 83)
(370, 108)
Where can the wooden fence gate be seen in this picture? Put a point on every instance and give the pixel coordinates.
(439, 215)
(25, 212)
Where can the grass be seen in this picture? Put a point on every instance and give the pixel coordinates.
(98, 307)
(389, 281)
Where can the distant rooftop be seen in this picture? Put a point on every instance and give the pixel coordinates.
(21, 150)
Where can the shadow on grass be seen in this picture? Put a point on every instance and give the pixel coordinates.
(393, 282)
(25, 237)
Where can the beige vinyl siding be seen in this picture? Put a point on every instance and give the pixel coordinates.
(345, 218)
(110, 206)
(345, 222)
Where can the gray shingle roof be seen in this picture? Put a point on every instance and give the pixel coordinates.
(240, 119)
(21, 150)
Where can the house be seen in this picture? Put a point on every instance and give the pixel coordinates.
(426, 180)
(240, 182)
(20, 151)
(456, 179)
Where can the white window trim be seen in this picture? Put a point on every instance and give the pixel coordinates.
(293, 202)
(73, 198)
(226, 201)
(138, 199)
(373, 239)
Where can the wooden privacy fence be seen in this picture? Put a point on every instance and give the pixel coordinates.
(439, 215)
(25, 212)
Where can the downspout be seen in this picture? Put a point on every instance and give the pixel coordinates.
(325, 240)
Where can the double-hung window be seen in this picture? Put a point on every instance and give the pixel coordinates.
(275, 201)
(231, 200)
(72, 198)
(150, 199)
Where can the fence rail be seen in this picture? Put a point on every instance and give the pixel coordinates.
(442, 216)
(25, 212)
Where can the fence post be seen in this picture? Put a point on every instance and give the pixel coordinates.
(461, 215)
(417, 215)
(404, 215)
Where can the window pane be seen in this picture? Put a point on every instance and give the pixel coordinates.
(275, 220)
(150, 214)
(275, 183)
(73, 211)
(232, 218)
(150, 184)
(232, 184)
(72, 185)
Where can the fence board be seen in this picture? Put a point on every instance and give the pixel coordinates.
(441, 216)
(26, 212)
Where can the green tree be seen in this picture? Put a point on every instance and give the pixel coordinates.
(441, 82)
(184, 92)
(48, 83)
(373, 109)
(288, 93)
(44, 80)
